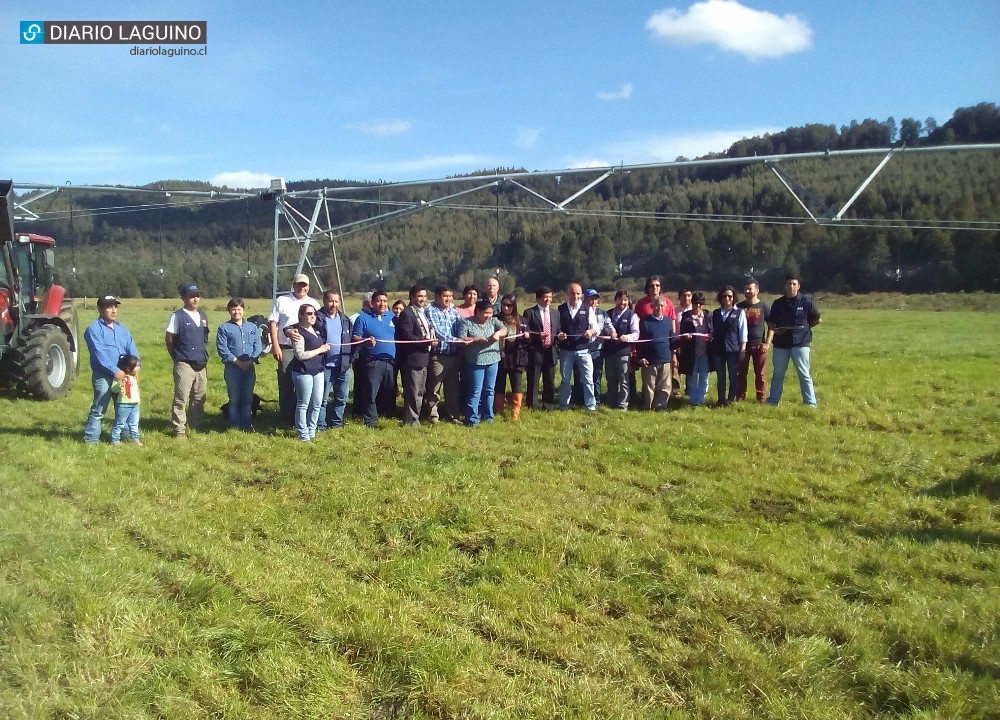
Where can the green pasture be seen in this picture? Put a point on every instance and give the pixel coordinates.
(747, 562)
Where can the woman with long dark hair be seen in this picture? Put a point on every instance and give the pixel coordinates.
(513, 359)
(307, 373)
(728, 343)
(696, 326)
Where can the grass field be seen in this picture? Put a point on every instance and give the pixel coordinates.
(748, 562)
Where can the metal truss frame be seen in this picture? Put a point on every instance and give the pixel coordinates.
(302, 218)
(296, 231)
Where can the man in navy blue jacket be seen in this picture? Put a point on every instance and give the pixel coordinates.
(793, 316)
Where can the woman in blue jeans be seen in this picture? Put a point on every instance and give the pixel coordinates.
(482, 333)
(238, 344)
(728, 344)
(696, 326)
(307, 373)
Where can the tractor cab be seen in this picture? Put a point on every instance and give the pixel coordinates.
(33, 258)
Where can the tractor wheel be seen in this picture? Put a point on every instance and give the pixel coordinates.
(44, 367)
(265, 332)
(69, 316)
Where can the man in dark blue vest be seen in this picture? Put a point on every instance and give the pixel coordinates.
(616, 351)
(577, 323)
(187, 342)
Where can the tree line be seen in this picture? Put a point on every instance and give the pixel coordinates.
(696, 226)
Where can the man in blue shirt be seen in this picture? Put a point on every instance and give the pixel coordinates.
(378, 353)
(107, 340)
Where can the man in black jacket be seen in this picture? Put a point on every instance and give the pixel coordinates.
(414, 338)
(543, 324)
(793, 316)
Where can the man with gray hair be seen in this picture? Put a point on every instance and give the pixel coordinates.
(577, 322)
(655, 331)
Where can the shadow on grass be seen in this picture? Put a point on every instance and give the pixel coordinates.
(975, 538)
(980, 478)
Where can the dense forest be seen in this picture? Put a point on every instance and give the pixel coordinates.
(928, 222)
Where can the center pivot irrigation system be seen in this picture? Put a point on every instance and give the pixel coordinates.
(302, 219)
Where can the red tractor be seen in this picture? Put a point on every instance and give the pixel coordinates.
(39, 348)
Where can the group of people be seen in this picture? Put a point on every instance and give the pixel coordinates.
(461, 363)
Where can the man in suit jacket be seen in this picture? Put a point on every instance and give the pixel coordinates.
(543, 324)
(412, 357)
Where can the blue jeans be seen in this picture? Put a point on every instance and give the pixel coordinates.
(800, 359)
(597, 363)
(239, 387)
(336, 382)
(308, 397)
(698, 380)
(126, 422)
(480, 381)
(102, 398)
(582, 360)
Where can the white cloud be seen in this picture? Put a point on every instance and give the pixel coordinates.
(527, 137)
(243, 179)
(734, 27)
(384, 128)
(666, 148)
(622, 93)
(588, 163)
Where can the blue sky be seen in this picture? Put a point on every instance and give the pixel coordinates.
(400, 91)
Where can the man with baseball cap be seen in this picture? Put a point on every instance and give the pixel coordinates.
(284, 313)
(186, 338)
(107, 340)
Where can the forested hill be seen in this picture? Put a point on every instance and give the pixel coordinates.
(700, 227)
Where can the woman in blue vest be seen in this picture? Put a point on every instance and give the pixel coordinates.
(307, 373)
(728, 343)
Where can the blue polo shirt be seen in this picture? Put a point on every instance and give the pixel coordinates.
(382, 328)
